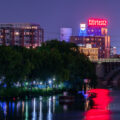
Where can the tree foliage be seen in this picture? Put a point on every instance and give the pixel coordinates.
(53, 59)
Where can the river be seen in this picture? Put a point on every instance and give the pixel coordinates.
(105, 106)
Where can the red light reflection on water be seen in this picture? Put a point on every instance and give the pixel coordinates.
(100, 110)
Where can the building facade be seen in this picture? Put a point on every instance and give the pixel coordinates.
(113, 51)
(96, 34)
(21, 34)
(91, 53)
(100, 42)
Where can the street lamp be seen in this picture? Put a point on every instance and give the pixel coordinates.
(54, 79)
(34, 82)
(50, 81)
(41, 83)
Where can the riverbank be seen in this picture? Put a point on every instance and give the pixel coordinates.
(21, 93)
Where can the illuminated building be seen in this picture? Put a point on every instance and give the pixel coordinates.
(90, 52)
(21, 34)
(100, 42)
(113, 51)
(83, 31)
(96, 34)
(97, 27)
(65, 34)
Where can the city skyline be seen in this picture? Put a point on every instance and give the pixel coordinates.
(59, 59)
(52, 15)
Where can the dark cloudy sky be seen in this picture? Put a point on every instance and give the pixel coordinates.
(54, 14)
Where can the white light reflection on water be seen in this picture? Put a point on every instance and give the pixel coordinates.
(65, 107)
(49, 116)
(40, 113)
(26, 111)
(34, 110)
(18, 106)
(54, 102)
(23, 108)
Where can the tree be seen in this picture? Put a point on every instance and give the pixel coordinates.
(13, 66)
(53, 59)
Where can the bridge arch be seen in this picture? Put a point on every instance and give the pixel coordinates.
(113, 77)
(116, 81)
(108, 71)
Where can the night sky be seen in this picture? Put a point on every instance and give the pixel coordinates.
(54, 14)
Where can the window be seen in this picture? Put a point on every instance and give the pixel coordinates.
(87, 39)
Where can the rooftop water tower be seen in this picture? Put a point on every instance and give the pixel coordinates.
(65, 34)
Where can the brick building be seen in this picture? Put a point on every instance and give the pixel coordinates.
(21, 34)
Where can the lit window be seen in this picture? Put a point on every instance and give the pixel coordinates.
(1, 36)
(75, 38)
(16, 33)
(87, 39)
(34, 27)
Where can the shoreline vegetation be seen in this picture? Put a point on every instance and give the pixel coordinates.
(22, 93)
(53, 63)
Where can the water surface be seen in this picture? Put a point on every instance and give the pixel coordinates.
(105, 106)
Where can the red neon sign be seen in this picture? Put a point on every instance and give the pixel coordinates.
(97, 22)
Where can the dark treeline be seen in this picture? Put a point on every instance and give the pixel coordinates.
(53, 59)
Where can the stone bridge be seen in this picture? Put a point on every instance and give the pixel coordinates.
(108, 72)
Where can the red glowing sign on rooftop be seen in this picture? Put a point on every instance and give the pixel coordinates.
(97, 22)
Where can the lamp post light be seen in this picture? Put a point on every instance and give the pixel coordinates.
(54, 79)
(41, 83)
(50, 81)
(34, 82)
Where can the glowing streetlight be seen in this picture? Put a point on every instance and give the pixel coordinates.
(34, 82)
(50, 81)
(54, 79)
(41, 83)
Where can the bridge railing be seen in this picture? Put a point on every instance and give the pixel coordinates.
(107, 60)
